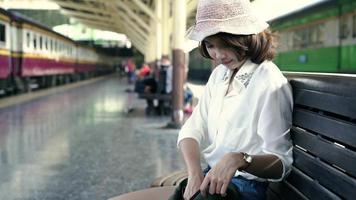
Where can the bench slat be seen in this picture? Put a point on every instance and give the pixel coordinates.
(153, 96)
(334, 84)
(171, 179)
(284, 191)
(340, 105)
(310, 188)
(342, 131)
(344, 86)
(326, 150)
(271, 195)
(331, 178)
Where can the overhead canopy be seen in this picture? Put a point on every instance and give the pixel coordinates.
(147, 23)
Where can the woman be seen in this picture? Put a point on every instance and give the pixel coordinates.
(245, 113)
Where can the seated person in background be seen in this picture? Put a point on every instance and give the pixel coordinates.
(188, 100)
(165, 76)
(146, 83)
(144, 71)
(144, 79)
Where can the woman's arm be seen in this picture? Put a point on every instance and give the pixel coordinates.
(191, 155)
(267, 166)
(218, 178)
(190, 150)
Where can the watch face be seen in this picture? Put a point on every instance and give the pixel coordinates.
(247, 158)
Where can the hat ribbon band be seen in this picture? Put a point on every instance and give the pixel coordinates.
(220, 20)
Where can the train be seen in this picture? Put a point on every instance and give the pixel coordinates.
(34, 56)
(318, 38)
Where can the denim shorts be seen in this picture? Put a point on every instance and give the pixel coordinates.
(249, 189)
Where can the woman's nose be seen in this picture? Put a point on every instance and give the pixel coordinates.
(219, 54)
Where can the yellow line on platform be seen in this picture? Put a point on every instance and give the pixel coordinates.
(21, 98)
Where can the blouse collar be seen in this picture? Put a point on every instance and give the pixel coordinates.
(243, 75)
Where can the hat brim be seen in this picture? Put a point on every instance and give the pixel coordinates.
(237, 26)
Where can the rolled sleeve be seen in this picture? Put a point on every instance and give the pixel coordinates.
(196, 125)
(274, 125)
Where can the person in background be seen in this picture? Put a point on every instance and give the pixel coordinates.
(245, 113)
(165, 76)
(130, 70)
(144, 80)
(146, 83)
(188, 99)
(144, 71)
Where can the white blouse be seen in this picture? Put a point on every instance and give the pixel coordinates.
(254, 117)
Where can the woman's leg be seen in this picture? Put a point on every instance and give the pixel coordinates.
(250, 189)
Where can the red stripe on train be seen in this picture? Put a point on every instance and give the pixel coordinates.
(4, 67)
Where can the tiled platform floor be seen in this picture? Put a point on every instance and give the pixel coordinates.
(78, 142)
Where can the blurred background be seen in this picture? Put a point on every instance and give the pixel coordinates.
(72, 125)
(314, 35)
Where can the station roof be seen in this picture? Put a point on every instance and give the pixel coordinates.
(134, 18)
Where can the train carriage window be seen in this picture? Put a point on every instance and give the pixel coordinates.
(2, 32)
(41, 41)
(354, 26)
(28, 39)
(34, 41)
(301, 38)
(344, 27)
(316, 35)
(321, 33)
(46, 43)
(313, 35)
(55, 46)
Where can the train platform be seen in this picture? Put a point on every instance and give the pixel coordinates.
(81, 141)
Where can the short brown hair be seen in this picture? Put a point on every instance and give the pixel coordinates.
(258, 47)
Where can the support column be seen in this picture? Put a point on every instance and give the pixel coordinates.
(179, 27)
(150, 55)
(158, 29)
(166, 30)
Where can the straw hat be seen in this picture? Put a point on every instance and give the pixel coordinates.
(229, 16)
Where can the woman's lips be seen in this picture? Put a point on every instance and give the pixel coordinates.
(226, 62)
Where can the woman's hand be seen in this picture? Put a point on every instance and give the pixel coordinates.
(219, 177)
(193, 185)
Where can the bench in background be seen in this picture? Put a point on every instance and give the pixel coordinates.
(164, 102)
(164, 99)
(153, 96)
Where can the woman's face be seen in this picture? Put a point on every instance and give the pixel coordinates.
(222, 54)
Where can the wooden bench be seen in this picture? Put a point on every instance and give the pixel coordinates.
(324, 139)
(153, 96)
(164, 102)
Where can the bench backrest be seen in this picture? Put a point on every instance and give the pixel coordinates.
(324, 138)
